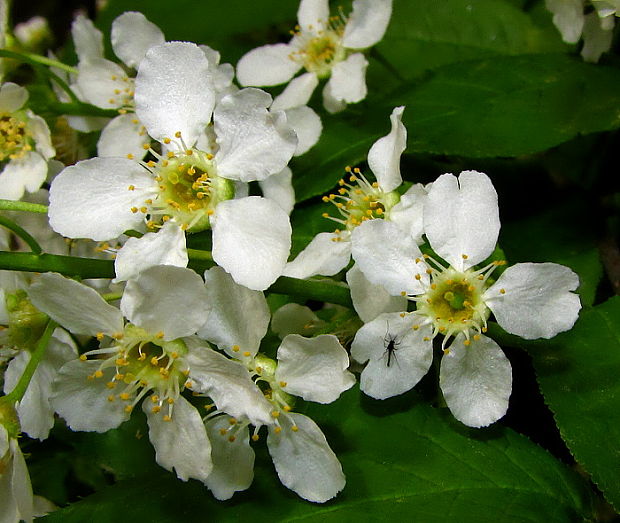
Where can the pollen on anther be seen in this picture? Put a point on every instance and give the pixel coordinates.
(467, 343)
(277, 430)
(283, 384)
(275, 413)
(255, 437)
(177, 134)
(294, 428)
(247, 354)
(464, 256)
(403, 293)
(223, 432)
(83, 357)
(130, 156)
(502, 291)
(167, 418)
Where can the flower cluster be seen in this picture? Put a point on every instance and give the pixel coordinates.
(189, 200)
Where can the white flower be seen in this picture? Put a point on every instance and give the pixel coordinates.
(531, 300)
(190, 188)
(25, 144)
(596, 27)
(147, 357)
(311, 368)
(359, 200)
(325, 47)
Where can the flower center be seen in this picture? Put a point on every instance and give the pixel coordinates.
(319, 51)
(15, 141)
(189, 189)
(357, 201)
(453, 301)
(143, 362)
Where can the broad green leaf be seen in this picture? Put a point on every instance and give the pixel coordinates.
(509, 105)
(578, 376)
(426, 34)
(417, 464)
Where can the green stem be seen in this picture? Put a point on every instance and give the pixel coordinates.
(320, 290)
(11, 205)
(197, 254)
(80, 109)
(67, 265)
(22, 233)
(32, 58)
(37, 355)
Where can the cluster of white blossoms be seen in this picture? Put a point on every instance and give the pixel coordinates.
(186, 152)
(575, 19)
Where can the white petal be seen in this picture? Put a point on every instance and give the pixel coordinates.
(296, 93)
(87, 124)
(41, 134)
(461, 218)
(212, 55)
(387, 256)
(313, 15)
(398, 356)
(367, 23)
(83, 401)
(174, 91)
(371, 300)
(253, 143)
(307, 126)
(87, 39)
(293, 318)
(122, 136)
(102, 83)
(267, 65)
(303, 459)
(91, 199)
(596, 38)
(568, 18)
(408, 213)
(314, 368)
(330, 102)
(384, 155)
(230, 302)
(536, 301)
(75, 306)
(8, 506)
(20, 482)
(251, 240)
(132, 36)
(279, 188)
(27, 173)
(323, 255)
(348, 79)
(164, 247)
(229, 384)
(181, 443)
(476, 381)
(12, 97)
(233, 461)
(36, 415)
(166, 299)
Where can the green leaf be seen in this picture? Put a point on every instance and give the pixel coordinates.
(509, 105)
(578, 376)
(414, 464)
(426, 34)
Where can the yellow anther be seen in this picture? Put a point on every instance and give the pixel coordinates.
(464, 256)
(287, 408)
(131, 188)
(258, 369)
(154, 361)
(231, 438)
(255, 437)
(155, 409)
(177, 134)
(477, 337)
(134, 210)
(294, 428)
(403, 293)
(418, 277)
(429, 271)
(98, 374)
(277, 430)
(426, 338)
(275, 413)
(235, 348)
(124, 396)
(170, 154)
(167, 418)
(247, 354)
(159, 335)
(467, 343)
(170, 401)
(283, 384)
(502, 291)
(154, 398)
(146, 146)
(110, 384)
(130, 156)
(232, 421)
(166, 141)
(118, 335)
(143, 210)
(189, 152)
(148, 202)
(118, 376)
(111, 397)
(223, 432)
(83, 357)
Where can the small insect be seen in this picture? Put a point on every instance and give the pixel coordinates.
(391, 346)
